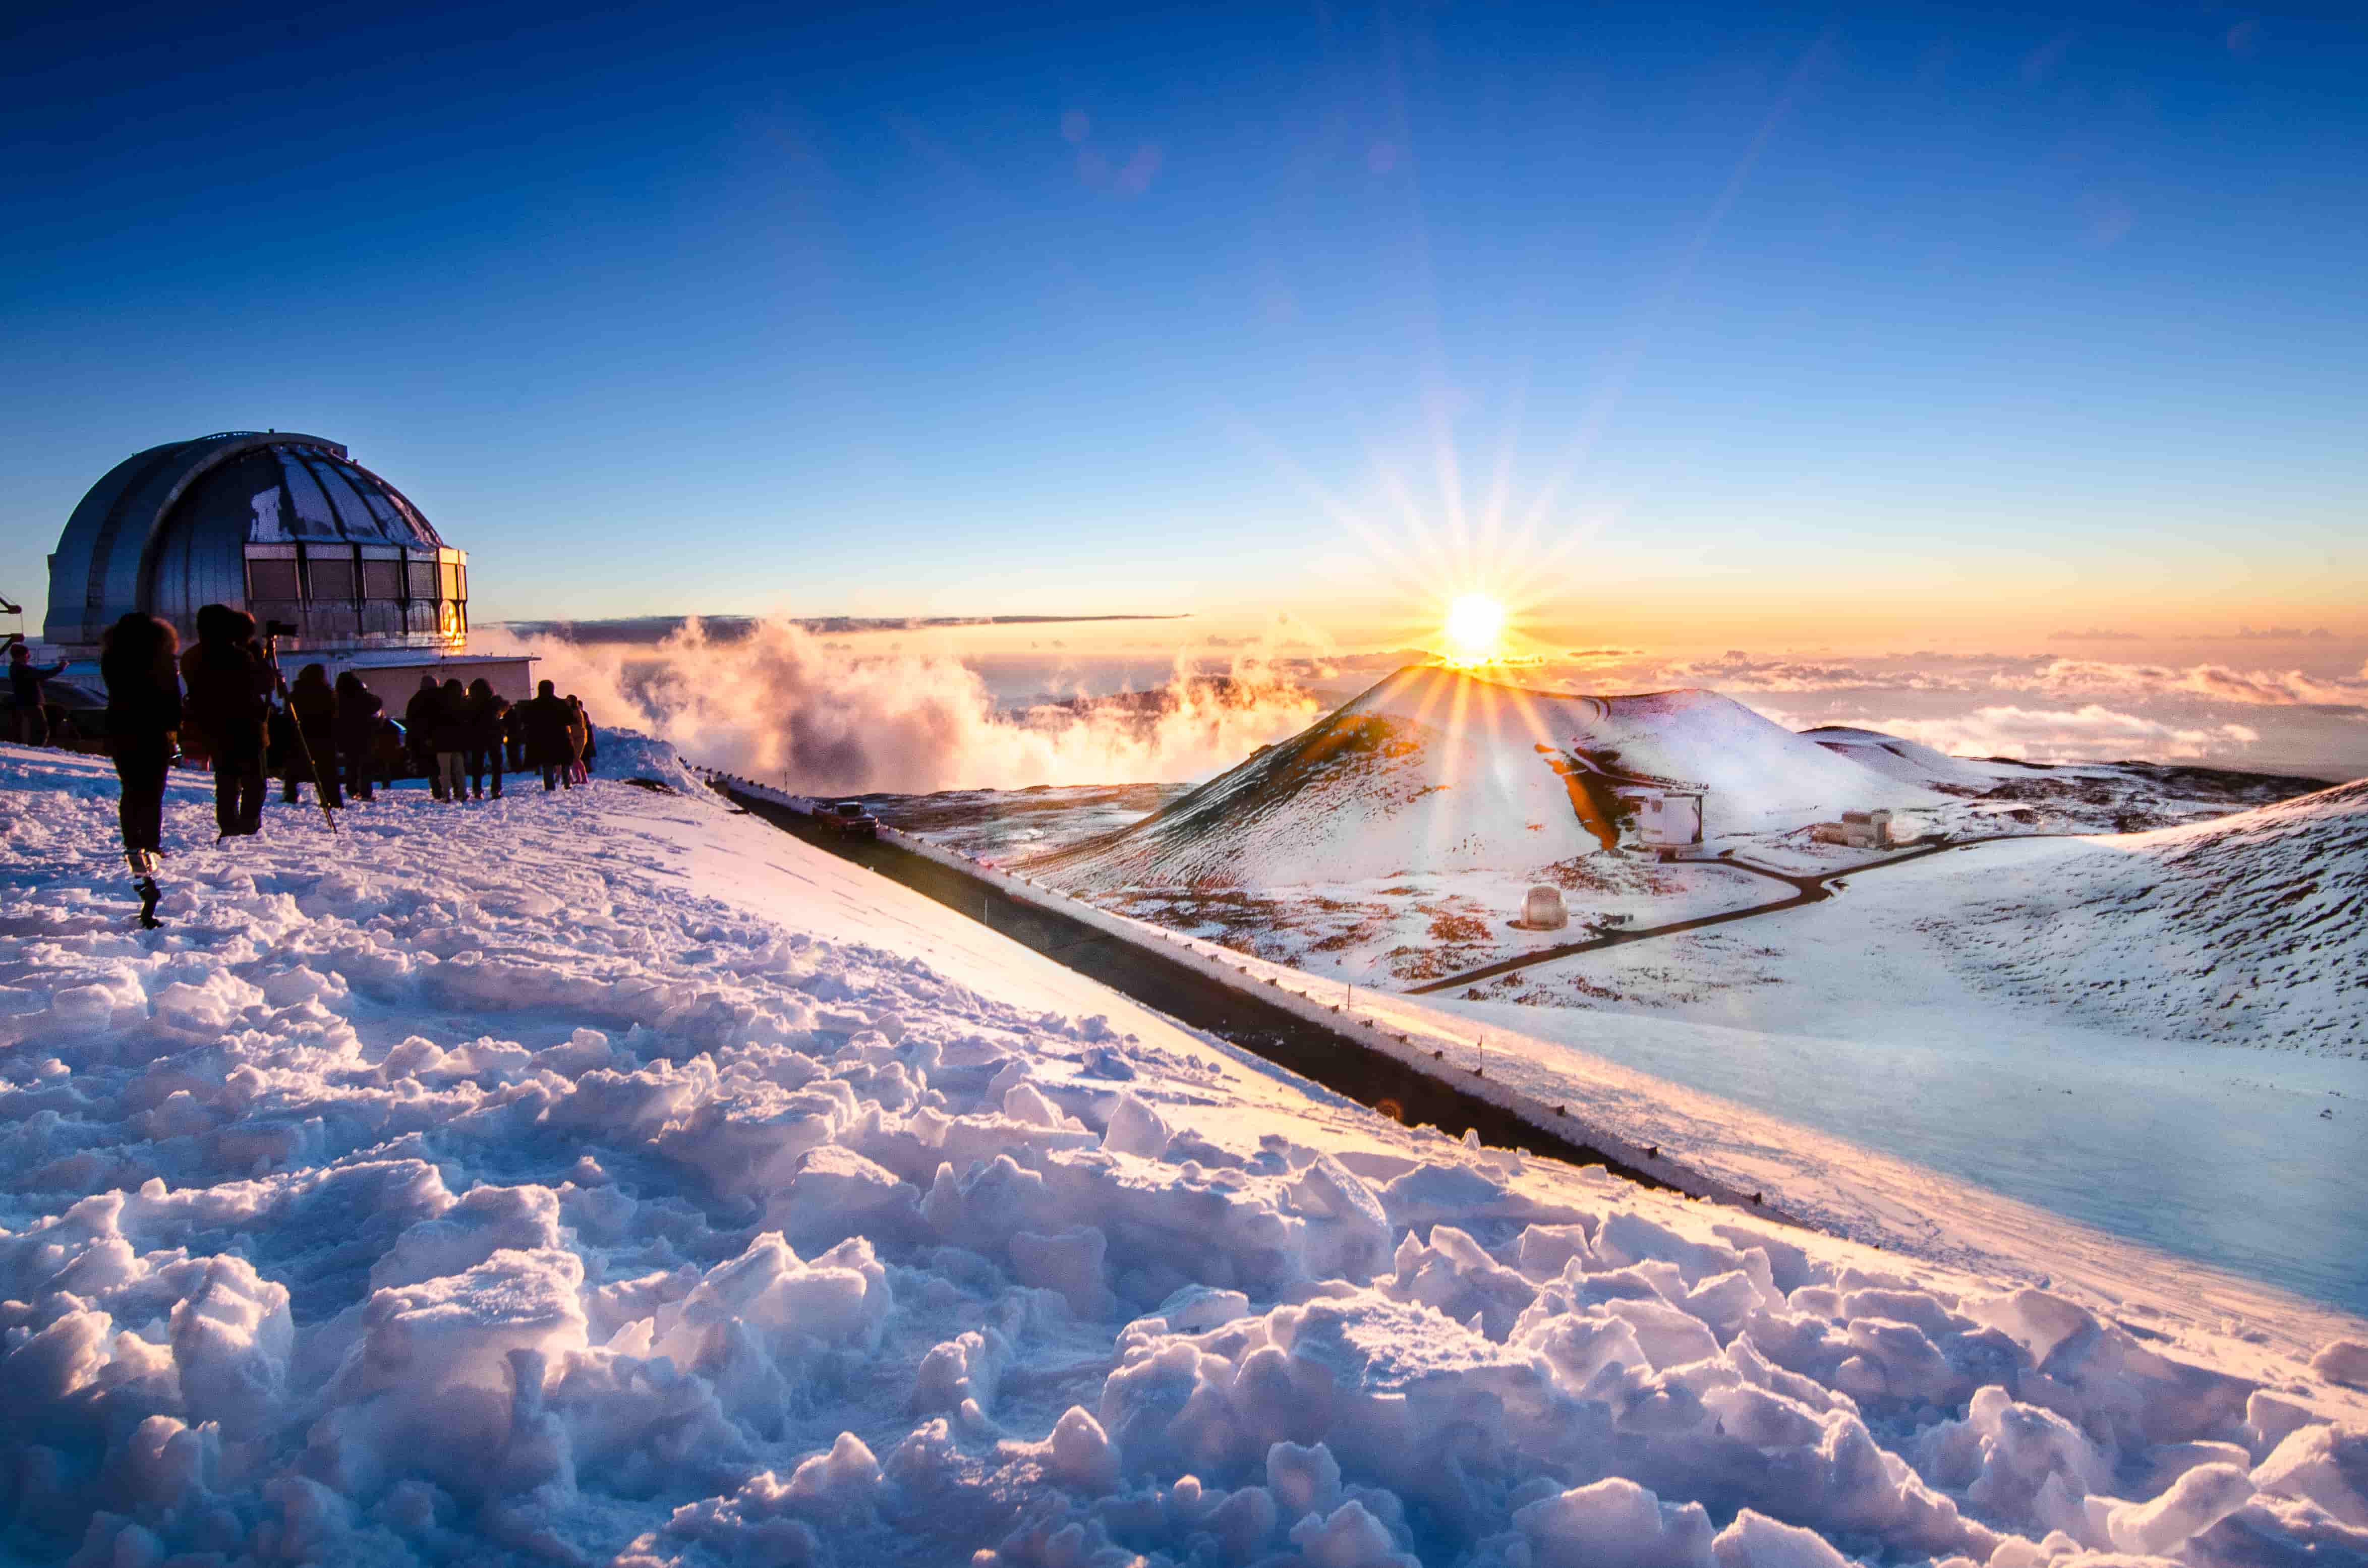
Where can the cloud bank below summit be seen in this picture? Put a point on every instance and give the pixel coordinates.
(880, 713)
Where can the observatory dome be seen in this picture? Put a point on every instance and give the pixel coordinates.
(285, 526)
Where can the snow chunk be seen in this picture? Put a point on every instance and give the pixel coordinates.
(1615, 1523)
(2327, 1465)
(2343, 1361)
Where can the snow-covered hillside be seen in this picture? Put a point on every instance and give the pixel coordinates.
(1436, 769)
(2250, 928)
(1909, 761)
(609, 1178)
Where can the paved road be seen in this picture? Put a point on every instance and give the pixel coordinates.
(1808, 887)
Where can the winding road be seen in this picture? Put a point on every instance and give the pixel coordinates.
(1808, 887)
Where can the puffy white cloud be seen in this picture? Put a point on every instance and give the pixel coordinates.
(2277, 688)
(2091, 731)
(780, 701)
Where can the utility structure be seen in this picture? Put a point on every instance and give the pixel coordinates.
(288, 527)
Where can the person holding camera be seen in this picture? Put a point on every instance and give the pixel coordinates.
(229, 682)
(143, 722)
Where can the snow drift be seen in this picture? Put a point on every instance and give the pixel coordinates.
(1436, 769)
(606, 1178)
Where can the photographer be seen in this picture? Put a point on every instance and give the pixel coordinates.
(229, 682)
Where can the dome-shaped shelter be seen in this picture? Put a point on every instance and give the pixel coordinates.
(285, 526)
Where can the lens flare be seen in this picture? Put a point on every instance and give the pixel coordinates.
(1476, 628)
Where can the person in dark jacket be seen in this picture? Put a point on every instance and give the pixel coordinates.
(143, 722)
(229, 682)
(550, 745)
(25, 679)
(360, 714)
(454, 729)
(488, 714)
(514, 736)
(420, 718)
(312, 751)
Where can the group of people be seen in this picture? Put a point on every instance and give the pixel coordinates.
(218, 699)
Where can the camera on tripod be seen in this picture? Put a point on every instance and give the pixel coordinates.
(275, 629)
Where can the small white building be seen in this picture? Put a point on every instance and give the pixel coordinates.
(1858, 830)
(1543, 910)
(1664, 818)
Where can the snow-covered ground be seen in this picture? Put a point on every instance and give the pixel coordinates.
(2052, 1019)
(607, 1178)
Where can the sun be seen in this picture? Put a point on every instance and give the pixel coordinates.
(1475, 629)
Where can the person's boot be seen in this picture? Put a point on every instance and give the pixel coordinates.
(143, 883)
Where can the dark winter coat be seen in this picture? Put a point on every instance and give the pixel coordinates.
(359, 713)
(143, 700)
(455, 723)
(423, 715)
(314, 705)
(228, 683)
(25, 679)
(488, 717)
(550, 731)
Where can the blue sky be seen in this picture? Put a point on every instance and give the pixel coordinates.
(1981, 316)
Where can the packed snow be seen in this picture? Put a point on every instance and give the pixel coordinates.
(606, 1178)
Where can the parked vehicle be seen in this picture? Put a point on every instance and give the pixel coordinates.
(848, 819)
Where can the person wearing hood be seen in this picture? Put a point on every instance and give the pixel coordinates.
(229, 682)
(143, 722)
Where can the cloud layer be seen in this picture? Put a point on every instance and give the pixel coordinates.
(778, 703)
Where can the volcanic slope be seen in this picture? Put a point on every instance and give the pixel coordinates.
(1435, 769)
(2247, 928)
